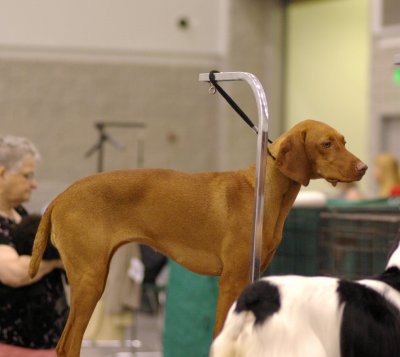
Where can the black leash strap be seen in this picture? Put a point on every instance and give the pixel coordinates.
(231, 102)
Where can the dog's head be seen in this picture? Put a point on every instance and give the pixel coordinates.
(24, 233)
(312, 150)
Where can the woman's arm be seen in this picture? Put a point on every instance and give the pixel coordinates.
(14, 268)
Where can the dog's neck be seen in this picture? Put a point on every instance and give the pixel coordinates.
(276, 183)
(280, 194)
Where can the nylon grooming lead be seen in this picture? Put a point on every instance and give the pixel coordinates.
(232, 103)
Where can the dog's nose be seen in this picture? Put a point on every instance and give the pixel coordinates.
(361, 167)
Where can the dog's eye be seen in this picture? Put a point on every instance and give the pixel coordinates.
(326, 144)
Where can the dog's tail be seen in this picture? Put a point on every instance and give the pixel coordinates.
(41, 240)
(225, 344)
(255, 305)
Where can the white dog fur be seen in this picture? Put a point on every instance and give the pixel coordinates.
(295, 316)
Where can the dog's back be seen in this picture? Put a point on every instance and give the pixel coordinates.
(371, 319)
(258, 302)
(296, 316)
(282, 316)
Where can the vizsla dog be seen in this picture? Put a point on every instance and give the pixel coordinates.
(203, 221)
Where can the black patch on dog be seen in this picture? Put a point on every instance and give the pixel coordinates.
(390, 277)
(370, 325)
(262, 298)
(24, 233)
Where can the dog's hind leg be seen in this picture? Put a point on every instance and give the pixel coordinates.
(88, 288)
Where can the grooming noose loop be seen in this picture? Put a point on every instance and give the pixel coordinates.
(212, 90)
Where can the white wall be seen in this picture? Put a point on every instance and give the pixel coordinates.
(118, 25)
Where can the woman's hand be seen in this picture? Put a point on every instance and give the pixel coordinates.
(58, 264)
(14, 268)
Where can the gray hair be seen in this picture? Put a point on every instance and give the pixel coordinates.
(14, 149)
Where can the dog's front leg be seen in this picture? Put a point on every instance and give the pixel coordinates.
(230, 286)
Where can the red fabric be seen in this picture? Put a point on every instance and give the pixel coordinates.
(15, 351)
(395, 191)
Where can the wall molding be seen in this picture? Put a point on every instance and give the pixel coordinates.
(107, 56)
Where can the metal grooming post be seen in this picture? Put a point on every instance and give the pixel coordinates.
(261, 159)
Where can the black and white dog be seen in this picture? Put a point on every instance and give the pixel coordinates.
(294, 316)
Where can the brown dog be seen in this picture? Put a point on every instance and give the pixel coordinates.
(203, 221)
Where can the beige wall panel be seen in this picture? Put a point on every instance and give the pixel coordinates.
(57, 104)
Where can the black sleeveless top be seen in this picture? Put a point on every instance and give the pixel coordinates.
(31, 316)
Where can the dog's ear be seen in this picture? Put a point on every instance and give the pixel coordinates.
(292, 159)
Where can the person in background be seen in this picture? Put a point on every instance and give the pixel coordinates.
(387, 176)
(33, 312)
(153, 263)
(350, 191)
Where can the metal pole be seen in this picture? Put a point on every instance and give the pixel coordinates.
(140, 149)
(103, 137)
(100, 158)
(261, 160)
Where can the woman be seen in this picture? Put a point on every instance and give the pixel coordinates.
(33, 312)
(386, 174)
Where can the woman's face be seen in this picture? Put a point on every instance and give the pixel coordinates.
(16, 186)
